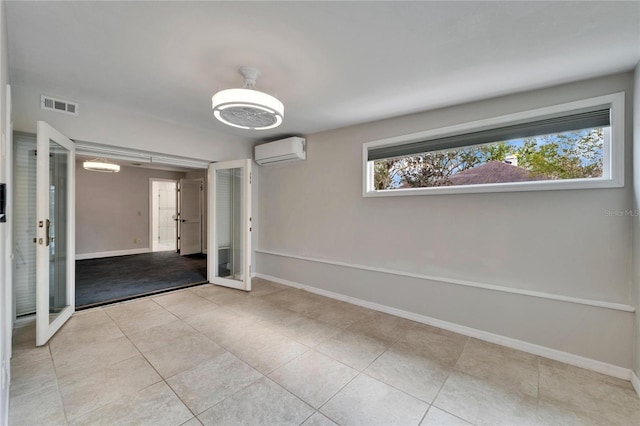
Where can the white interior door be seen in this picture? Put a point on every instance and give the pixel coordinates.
(163, 214)
(190, 216)
(229, 254)
(55, 238)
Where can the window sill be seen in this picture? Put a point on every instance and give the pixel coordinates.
(500, 187)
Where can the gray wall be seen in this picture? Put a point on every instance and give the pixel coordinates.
(558, 242)
(112, 209)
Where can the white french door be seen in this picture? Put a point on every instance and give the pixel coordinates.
(190, 216)
(229, 250)
(55, 238)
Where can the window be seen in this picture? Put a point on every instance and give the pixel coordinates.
(570, 146)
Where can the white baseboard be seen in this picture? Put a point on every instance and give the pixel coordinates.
(543, 351)
(635, 382)
(84, 256)
(24, 321)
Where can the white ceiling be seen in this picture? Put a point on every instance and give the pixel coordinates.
(331, 63)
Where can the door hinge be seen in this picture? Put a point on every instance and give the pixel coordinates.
(250, 176)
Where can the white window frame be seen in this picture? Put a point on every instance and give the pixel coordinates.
(613, 152)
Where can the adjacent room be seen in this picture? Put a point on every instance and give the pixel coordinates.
(139, 231)
(320, 213)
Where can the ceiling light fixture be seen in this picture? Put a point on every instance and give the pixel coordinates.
(248, 108)
(101, 164)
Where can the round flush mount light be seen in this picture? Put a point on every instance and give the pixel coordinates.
(101, 165)
(247, 108)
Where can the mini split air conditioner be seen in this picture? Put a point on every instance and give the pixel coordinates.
(284, 150)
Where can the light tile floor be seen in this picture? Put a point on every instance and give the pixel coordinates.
(281, 356)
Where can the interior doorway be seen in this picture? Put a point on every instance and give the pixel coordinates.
(163, 215)
(153, 241)
(115, 258)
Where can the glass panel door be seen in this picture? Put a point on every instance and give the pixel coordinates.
(230, 224)
(55, 240)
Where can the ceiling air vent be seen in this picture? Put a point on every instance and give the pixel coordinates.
(53, 104)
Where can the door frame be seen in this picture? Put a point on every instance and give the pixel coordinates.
(9, 300)
(151, 180)
(212, 257)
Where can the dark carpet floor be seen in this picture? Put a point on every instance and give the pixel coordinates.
(123, 277)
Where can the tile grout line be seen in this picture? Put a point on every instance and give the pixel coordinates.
(425, 414)
(444, 382)
(149, 362)
(230, 395)
(194, 417)
(145, 358)
(450, 370)
(360, 372)
(295, 396)
(232, 352)
(226, 350)
(97, 309)
(55, 372)
(315, 410)
(396, 388)
(384, 352)
(262, 321)
(333, 396)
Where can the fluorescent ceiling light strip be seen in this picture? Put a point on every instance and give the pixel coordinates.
(121, 157)
(101, 166)
(122, 154)
(174, 161)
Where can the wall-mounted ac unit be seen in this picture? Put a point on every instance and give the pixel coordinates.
(284, 150)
